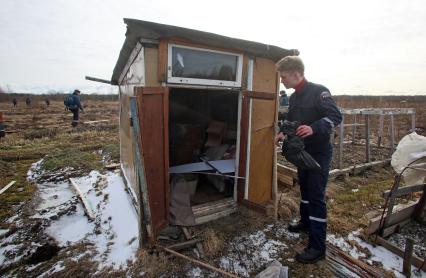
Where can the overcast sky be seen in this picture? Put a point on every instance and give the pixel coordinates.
(357, 47)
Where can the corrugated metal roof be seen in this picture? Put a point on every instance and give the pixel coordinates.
(137, 29)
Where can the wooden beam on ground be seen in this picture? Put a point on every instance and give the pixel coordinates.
(86, 204)
(185, 244)
(188, 236)
(98, 121)
(401, 213)
(7, 187)
(402, 191)
(416, 261)
(377, 111)
(197, 262)
(395, 228)
(359, 167)
(112, 166)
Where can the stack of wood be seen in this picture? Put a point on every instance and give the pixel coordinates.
(394, 217)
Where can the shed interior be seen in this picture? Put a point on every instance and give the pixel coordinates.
(202, 128)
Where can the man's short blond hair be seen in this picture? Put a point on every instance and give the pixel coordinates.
(291, 63)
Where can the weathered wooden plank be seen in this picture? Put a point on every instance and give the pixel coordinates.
(402, 191)
(401, 213)
(213, 216)
(395, 228)
(7, 187)
(86, 203)
(359, 167)
(95, 122)
(377, 111)
(185, 244)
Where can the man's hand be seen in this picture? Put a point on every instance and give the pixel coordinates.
(279, 137)
(304, 131)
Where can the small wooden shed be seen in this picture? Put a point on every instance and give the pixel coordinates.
(175, 81)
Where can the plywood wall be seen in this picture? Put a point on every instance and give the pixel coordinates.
(265, 77)
(151, 67)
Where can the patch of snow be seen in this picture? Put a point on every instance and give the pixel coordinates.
(70, 228)
(8, 254)
(195, 272)
(123, 221)
(35, 170)
(3, 231)
(250, 252)
(55, 268)
(31, 268)
(114, 232)
(343, 245)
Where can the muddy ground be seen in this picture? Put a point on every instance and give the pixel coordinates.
(243, 243)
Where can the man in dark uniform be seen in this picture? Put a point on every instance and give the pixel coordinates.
(74, 105)
(311, 105)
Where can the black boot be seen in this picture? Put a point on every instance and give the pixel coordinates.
(298, 228)
(310, 256)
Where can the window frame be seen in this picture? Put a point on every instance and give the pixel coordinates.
(200, 81)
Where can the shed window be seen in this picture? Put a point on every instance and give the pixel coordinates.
(191, 65)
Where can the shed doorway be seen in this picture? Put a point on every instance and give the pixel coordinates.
(203, 129)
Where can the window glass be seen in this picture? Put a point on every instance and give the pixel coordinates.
(192, 63)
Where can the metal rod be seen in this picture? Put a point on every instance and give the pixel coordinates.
(98, 80)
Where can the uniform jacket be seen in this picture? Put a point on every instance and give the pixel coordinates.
(76, 102)
(312, 105)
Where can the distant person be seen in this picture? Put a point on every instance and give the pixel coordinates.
(15, 103)
(283, 98)
(47, 101)
(28, 101)
(72, 103)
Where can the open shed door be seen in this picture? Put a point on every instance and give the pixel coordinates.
(257, 159)
(152, 122)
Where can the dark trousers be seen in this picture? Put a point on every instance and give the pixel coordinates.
(75, 112)
(313, 209)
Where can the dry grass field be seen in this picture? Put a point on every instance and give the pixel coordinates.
(45, 132)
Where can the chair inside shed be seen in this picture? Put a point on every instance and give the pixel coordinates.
(203, 129)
